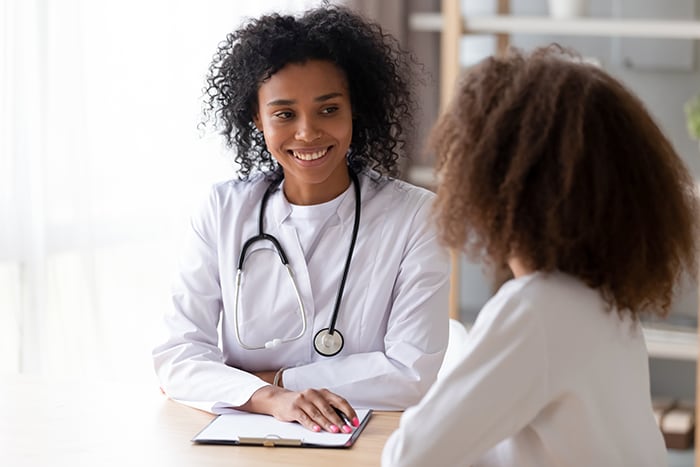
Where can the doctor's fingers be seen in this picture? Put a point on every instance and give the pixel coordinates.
(315, 412)
(347, 413)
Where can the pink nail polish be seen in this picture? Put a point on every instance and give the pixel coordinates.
(316, 428)
(335, 429)
(347, 429)
(356, 422)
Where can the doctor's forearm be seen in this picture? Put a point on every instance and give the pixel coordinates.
(262, 400)
(267, 376)
(369, 380)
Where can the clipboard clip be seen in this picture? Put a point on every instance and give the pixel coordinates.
(270, 441)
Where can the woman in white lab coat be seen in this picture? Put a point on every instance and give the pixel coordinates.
(550, 165)
(315, 107)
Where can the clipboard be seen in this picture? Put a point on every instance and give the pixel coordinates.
(243, 428)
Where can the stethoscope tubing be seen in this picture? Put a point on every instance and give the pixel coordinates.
(355, 228)
(274, 342)
(256, 238)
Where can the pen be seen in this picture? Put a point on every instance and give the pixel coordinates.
(343, 417)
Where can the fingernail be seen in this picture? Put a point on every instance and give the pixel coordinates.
(316, 428)
(335, 429)
(356, 422)
(347, 429)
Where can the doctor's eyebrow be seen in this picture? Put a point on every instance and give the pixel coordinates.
(321, 98)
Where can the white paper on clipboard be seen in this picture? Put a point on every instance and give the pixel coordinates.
(265, 430)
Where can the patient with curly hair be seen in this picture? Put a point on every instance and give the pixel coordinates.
(552, 166)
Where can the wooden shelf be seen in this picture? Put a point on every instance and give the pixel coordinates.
(608, 27)
(663, 343)
(671, 344)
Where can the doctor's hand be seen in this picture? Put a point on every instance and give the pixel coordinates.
(315, 409)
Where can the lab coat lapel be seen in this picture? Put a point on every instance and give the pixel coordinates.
(280, 210)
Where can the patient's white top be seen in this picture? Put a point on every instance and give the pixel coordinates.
(548, 377)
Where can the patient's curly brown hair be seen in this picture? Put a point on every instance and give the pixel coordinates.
(551, 159)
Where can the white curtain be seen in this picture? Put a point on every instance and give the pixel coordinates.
(101, 164)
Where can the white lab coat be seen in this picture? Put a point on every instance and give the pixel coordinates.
(393, 314)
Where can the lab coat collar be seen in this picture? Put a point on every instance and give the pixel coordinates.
(280, 208)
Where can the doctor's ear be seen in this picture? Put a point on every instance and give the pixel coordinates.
(256, 122)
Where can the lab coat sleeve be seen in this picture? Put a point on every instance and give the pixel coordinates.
(415, 339)
(498, 387)
(189, 363)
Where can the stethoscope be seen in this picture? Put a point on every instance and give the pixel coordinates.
(328, 341)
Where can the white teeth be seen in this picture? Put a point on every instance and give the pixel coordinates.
(309, 156)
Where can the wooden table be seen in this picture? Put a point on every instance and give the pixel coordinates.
(83, 423)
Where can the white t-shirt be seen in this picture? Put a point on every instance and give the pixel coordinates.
(549, 377)
(311, 221)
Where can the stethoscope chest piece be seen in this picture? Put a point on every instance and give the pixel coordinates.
(328, 344)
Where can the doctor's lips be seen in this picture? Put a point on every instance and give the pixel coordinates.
(309, 155)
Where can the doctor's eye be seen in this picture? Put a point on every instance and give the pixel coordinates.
(329, 110)
(283, 115)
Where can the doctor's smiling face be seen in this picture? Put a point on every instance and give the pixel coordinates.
(305, 115)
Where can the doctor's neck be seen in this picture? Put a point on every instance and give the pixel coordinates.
(310, 190)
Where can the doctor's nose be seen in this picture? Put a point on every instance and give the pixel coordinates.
(307, 131)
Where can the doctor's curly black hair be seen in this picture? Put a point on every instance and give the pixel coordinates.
(378, 70)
